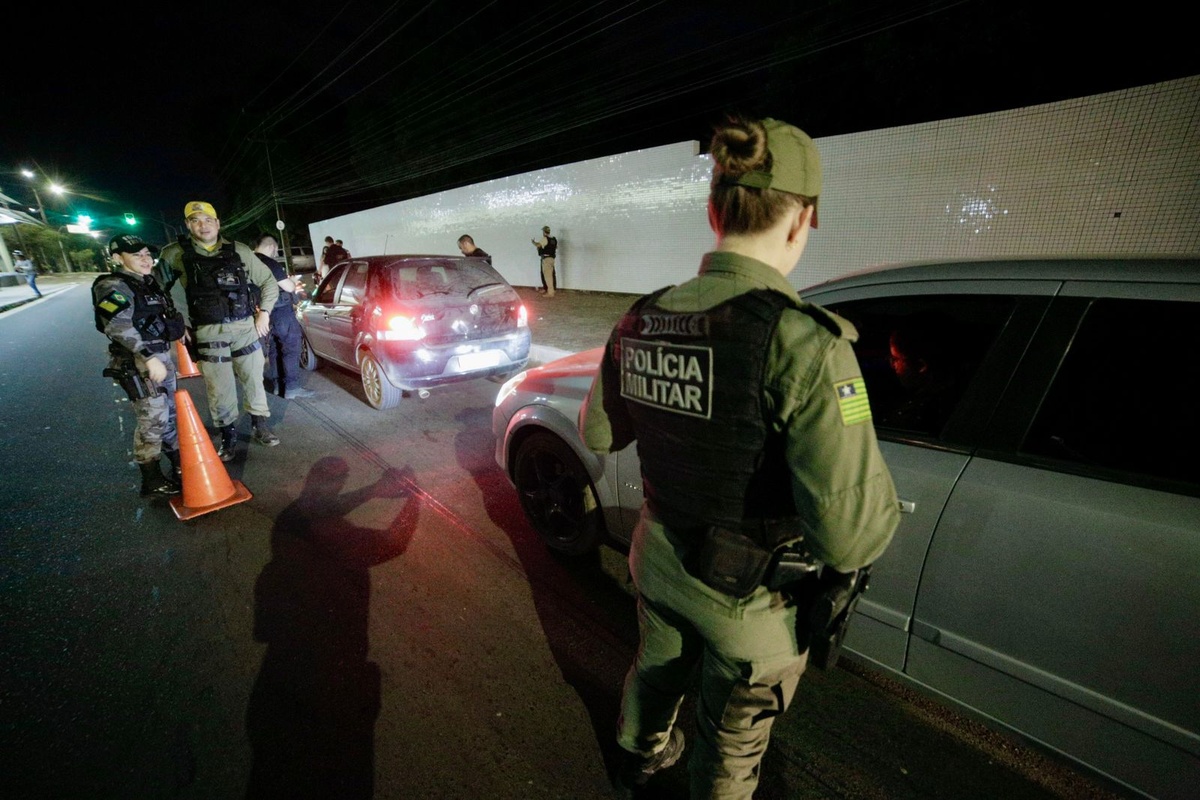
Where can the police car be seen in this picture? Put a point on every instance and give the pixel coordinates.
(1035, 417)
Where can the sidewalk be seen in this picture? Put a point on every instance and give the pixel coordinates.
(16, 296)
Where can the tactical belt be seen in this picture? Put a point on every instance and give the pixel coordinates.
(736, 564)
(245, 351)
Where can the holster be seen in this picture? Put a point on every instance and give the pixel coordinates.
(833, 602)
(128, 378)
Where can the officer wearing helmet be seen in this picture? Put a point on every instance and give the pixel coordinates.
(140, 321)
(230, 294)
(759, 463)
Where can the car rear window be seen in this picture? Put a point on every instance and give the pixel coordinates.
(457, 278)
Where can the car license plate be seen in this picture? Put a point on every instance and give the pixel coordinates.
(481, 360)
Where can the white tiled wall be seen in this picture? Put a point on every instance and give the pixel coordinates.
(1117, 173)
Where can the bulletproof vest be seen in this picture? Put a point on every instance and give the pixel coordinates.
(550, 249)
(285, 299)
(693, 385)
(154, 315)
(217, 288)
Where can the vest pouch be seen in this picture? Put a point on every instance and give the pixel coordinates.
(728, 562)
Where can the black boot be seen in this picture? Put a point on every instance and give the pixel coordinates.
(153, 481)
(228, 442)
(176, 475)
(262, 432)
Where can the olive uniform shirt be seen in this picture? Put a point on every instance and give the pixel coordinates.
(813, 394)
(256, 272)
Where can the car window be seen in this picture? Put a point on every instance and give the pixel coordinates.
(918, 354)
(414, 281)
(329, 286)
(354, 289)
(1119, 399)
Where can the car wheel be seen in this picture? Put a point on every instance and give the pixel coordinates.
(308, 359)
(557, 495)
(379, 390)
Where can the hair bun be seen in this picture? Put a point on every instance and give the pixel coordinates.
(740, 146)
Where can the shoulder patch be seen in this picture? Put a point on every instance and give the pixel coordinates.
(852, 401)
(841, 328)
(113, 303)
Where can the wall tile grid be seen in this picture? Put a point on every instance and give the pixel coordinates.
(1116, 173)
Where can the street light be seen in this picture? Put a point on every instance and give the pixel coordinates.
(30, 176)
(53, 187)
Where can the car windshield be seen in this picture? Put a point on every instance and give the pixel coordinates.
(458, 278)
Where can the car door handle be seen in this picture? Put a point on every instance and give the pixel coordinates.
(907, 506)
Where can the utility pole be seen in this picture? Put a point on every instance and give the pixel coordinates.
(280, 225)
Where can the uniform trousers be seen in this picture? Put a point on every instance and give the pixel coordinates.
(750, 664)
(281, 348)
(155, 429)
(548, 280)
(231, 357)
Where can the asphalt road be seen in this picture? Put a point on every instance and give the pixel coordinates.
(379, 620)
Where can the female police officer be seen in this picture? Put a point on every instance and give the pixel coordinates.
(137, 316)
(754, 435)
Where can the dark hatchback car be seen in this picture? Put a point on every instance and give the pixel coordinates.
(413, 322)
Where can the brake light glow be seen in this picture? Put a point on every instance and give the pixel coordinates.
(522, 316)
(402, 329)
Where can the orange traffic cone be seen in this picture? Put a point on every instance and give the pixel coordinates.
(206, 484)
(187, 367)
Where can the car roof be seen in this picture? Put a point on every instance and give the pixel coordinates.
(1139, 269)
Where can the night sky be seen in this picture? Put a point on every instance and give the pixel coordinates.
(140, 107)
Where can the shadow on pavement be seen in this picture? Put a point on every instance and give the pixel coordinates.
(312, 711)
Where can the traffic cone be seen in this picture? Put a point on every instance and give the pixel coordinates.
(187, 367)
(206, 484)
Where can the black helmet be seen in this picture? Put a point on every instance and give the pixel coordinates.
(17, 253)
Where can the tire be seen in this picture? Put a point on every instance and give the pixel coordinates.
(380, 392)
(557, 495)
(308, 359)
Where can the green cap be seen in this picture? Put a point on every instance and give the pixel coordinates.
(795, 164)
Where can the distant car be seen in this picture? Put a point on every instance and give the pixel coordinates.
(1046, 572)
(302, 264)
(413, 322)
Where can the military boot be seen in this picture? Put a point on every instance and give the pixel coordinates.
(176, 474)
(154, 482)
(635, 770)
(262, 432)
(228, 442)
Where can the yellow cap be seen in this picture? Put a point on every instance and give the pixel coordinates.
(199, 207)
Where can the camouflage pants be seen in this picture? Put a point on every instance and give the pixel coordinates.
(231, 357)
(155, 431)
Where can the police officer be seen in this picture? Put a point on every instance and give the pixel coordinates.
(229, 296)
(547, 249)
(281, 347)
(755, 438)
(140, 320)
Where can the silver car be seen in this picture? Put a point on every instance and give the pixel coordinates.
(1036, 420)
(415, 322)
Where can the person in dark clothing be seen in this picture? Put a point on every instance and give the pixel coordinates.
(467, 246)
(281, 345)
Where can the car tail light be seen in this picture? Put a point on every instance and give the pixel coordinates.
(522, 316)
(402, 329)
